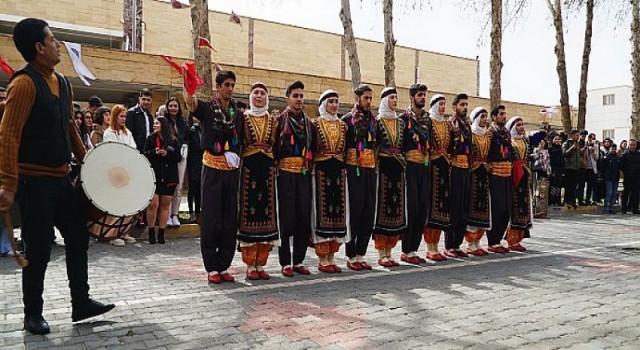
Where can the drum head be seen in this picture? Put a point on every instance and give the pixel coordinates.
(117, 179)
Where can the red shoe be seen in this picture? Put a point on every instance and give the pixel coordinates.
(450, 253)
(517, 247)
(497, 249)
(301, 270)
(264, 275)
(476, 252)
(410, 259)
(436, 257)
(215, 279)
(253, 275)
(227, 277)
(336, 268)
(355, 266)
(484, 252)
(287, 271)
(387, 263)
(326, 269)
(365, 265)
(420, 260)
(394, 263)
(461, 254)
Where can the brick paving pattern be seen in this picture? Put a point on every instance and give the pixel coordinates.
(577, 287)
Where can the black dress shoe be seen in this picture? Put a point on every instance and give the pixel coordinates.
(36, 325)
(89, 309)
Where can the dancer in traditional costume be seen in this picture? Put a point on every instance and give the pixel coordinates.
(440, 144)
(500, 184)
(258, 229)
(361, 176)
(460, 178)
(391, 220)
(330, 183)
(293, 151)
(416, 152)
(479, 208)
(521, 209)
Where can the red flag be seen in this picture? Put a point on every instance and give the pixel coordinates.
(173, 64)
(234, 18)
(180, 4)
(6, 68)
(202, 42)
(191, 79)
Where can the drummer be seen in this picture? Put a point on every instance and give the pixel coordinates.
(38, 123)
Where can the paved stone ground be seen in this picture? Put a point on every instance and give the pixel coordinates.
(577, 287)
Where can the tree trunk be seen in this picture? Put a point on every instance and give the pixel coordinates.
(132, 24)
(586, 53)
(561, 67)
(350, 43)
(202, 57)
(635, 68)
(389, 44)
(495, 64)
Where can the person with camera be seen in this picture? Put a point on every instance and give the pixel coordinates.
(571, 154)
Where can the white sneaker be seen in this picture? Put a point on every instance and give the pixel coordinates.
(170, 221)
(128, 239)
(176, 221)
(117, 242)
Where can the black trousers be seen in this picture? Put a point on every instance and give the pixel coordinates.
(592, 182)
(362, 207)
(581, 182)
(570, 186)
(501, 196)
(194, 198)
(46, 202)
(630, 194)
(417, 179)
(459, 204)
(294, 212)
(219, 221)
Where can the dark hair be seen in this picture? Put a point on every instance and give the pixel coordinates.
(496, 110)
(166, 105)
(459, 97)
(613, 145)
(584, 132)
(574, 131)
(415, 88)
(76, 106)
(296, 85)
(166, 134)
(634, 140)
(95, 101)
(241, 104)
(26, 34)
(145, 92)
(361, 89)
(98, 118)
(223, 75)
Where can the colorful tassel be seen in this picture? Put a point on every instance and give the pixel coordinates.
(292, 141)
(426, 161)
(369, 136)
(419, 147)
(218, 147)
(226, 146)
(358, 171)
(409, 124)
(296, 151)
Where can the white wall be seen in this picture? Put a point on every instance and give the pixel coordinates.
(615, 117)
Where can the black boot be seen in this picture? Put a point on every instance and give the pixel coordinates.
(88, 309)
(36, 324)
(161, 236)
(152, 236)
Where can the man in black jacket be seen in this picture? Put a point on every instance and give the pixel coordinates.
(140, 119)
(630, 166)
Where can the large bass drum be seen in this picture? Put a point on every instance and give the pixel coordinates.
(118, 183)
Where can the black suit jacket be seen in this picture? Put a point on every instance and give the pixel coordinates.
(136, 124)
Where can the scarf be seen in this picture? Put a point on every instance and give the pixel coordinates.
(322, 109)
(475, 118)
(258, 111)
(434, 113)
(511, 126)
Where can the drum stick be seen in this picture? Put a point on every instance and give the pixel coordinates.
(21, 260)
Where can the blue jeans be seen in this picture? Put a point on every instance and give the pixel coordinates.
(611, 192)
(5, 245)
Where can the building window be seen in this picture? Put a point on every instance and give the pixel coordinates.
(609, 100)
(610, 133)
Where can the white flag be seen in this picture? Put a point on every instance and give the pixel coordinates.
(75, 52)
(549, 111)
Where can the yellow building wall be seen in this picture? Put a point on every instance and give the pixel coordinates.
(92, 13)
(447, 73)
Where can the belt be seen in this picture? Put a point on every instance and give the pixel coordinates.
(367, 158)
(415, 156)
(291, 164)
(502, 169)
(257, 148)
(440, 152)
(460, 161)
(218, 162)
(326, 155)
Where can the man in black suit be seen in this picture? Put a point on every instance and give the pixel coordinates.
(140, 119)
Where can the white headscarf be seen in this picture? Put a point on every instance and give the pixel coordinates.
(322, 109)
(511, 126)
(434, 113)
(475, 121)
(258, 111)
(384, 110)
